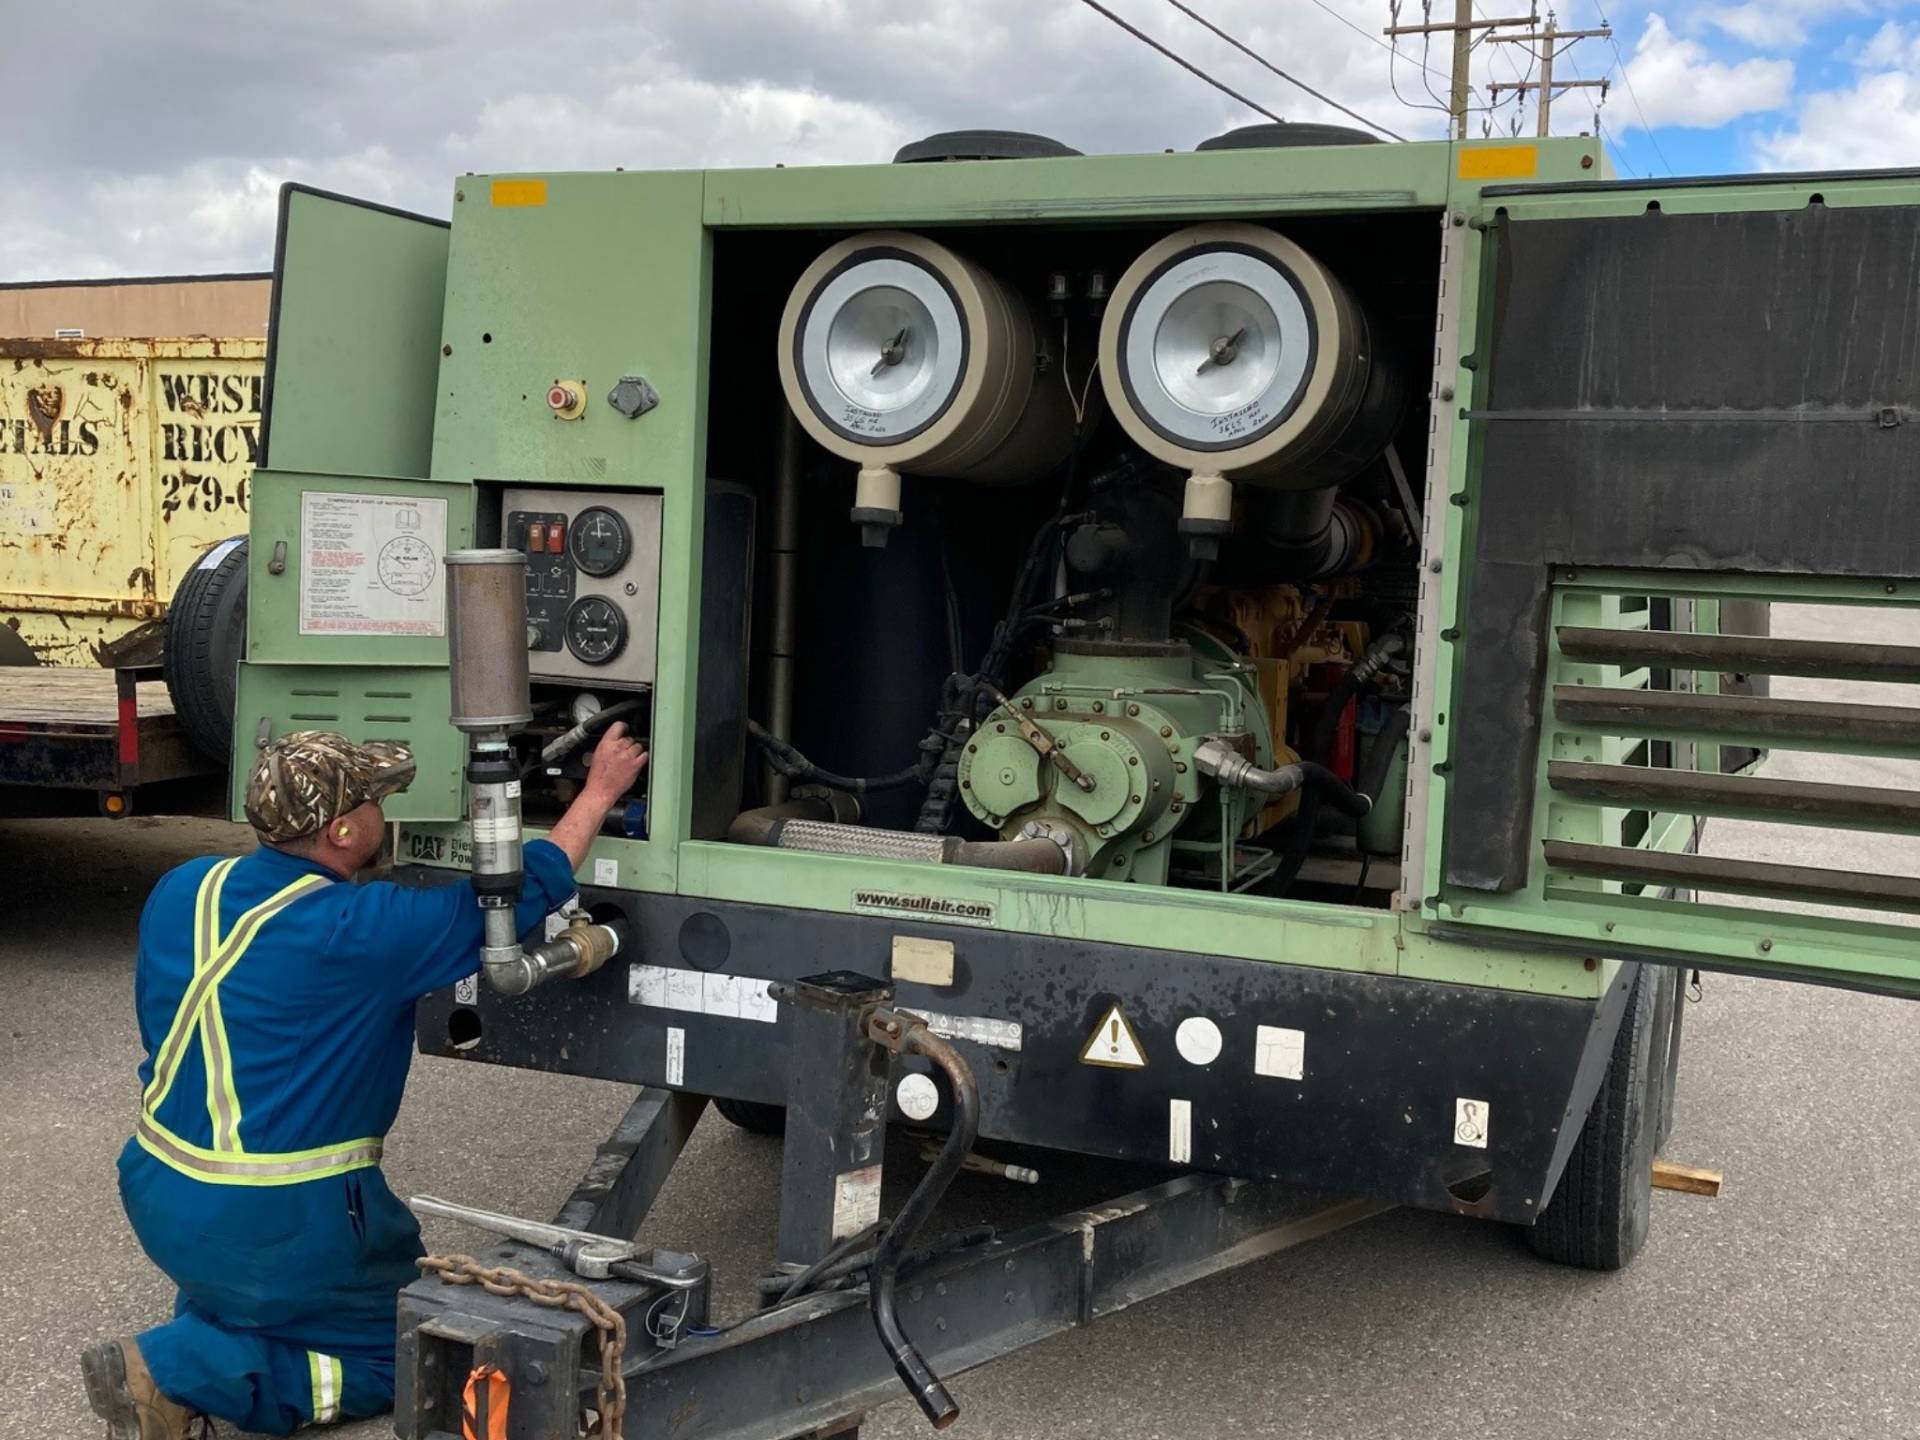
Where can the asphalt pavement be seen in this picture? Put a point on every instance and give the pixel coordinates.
(1788, 1307)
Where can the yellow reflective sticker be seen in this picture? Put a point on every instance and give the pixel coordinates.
(530, 192)
(1493, 162)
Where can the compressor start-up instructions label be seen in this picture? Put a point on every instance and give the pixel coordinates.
(370, 565)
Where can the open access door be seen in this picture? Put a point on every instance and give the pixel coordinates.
(346, 623)
(1691, 407)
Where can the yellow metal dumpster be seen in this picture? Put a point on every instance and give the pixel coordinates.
(121, 461)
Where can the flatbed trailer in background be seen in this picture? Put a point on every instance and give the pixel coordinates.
(111, 735)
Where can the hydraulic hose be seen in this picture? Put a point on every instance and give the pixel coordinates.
(1359, 677)
(566, 743)
(1233, 770)
(914, 1372)
(795, 766)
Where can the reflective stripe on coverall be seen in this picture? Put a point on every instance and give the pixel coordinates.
(252, 1179)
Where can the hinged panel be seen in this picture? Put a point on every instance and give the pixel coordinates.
(1681, 400)
(350, 569)
(409, 703)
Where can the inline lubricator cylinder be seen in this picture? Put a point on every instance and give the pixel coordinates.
(487, 644)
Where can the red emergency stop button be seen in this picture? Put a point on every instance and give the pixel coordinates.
(562, 397)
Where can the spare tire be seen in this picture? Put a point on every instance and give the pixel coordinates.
(1288, 135)
(206, 635)
(981, 145)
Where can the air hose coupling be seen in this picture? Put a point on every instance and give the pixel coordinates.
(579, 950)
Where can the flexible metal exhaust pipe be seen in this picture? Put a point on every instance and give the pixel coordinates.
(1045, 853)
(753, 827)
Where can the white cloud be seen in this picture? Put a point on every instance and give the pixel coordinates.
(1779, 24)
(1676, 81)
(676, 122)
(1874, 121)
(197, 110)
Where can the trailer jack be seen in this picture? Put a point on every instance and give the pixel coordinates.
(635, 1346)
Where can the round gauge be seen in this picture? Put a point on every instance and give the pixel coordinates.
(599, 541)
(596, 631)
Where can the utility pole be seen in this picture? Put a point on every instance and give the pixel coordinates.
(1547, 37)
(1461, 28)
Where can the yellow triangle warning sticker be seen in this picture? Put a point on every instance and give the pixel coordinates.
(1114, 1044)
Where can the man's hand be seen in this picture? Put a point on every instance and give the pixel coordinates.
(616, 764)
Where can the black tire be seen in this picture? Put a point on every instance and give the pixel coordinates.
(752, 1116)
(1597, 1217)
(1667, 1018)
(206, 635)
(1288, 135)
(981, 145)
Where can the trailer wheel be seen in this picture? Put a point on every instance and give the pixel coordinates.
(1597, 1218)
(752, 1116)
(206, 633)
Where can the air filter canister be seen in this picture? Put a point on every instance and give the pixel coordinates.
(900, 355)
(1231, 352)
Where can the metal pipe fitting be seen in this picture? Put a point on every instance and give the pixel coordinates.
(579, 950)
(1215, 757)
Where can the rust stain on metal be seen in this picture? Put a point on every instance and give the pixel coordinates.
(43, 408)
(117, 457)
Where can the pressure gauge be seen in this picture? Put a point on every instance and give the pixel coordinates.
(599, 541)
(596, 631)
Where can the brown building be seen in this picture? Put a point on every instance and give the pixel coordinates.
(160, 306)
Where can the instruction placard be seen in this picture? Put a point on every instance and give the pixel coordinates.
(371, 565)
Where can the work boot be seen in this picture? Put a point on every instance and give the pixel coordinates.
(121, 1390)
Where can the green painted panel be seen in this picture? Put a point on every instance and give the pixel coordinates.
(354, 337)
(274, 605)
(1241, 183)
(608, 275)
(388, 702)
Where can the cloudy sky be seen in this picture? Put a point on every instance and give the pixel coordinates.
(153, 139)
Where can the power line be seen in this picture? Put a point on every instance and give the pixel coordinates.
(1626, 78)
(1260, 59)
(1186, 65)
(1367, 35)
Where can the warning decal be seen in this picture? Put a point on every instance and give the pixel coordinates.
(1114, 1044)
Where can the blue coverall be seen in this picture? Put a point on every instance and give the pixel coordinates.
(285, 1314)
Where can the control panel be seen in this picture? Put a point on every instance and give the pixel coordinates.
(593, 581)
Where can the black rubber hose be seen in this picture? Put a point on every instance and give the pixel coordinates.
(926, 1388)
(566, 743)
(1321, 784)
(1358, 678)
(795, 766)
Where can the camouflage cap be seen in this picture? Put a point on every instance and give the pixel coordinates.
(307, 777)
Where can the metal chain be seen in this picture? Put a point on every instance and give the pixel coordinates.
(555, 1295)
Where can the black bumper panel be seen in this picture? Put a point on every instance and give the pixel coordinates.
(1386, 1065)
